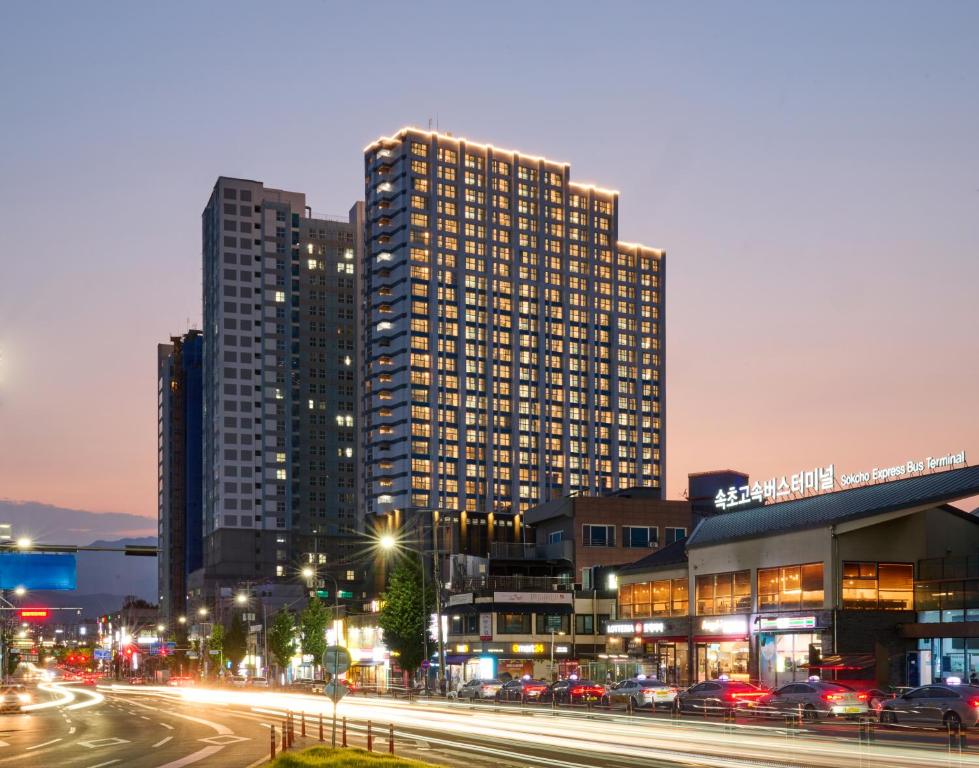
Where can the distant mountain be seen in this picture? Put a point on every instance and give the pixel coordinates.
(62, 525)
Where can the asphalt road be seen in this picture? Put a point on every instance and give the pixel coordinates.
(173, 728)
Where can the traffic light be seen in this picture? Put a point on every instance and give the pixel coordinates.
(128, 651)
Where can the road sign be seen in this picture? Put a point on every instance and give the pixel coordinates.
(102, 654)
(335, 690)
(336, 660)
(213, 652)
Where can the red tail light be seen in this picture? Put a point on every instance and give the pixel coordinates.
(974, 702)
(747, 694)
(832, 697)
(862, 697)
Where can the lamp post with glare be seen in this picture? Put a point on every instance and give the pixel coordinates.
(202, 613)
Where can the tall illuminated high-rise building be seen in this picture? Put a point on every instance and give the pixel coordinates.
(513, 345)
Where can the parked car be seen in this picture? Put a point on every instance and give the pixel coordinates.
(814, 699)
(239, 681)
(479, 688)
(718, 696)
(523, 689)
(640, 692)
(316, 686)
(259, 682)
(180, 681)
(573, 691)
(942, 705)
(13, 698)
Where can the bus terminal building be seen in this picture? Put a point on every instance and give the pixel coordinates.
(818, 585)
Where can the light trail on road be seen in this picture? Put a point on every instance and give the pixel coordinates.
(519, 733)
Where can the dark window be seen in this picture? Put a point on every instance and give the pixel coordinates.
(598, 535)
(513, 623)
(640, 536)
(552, 622)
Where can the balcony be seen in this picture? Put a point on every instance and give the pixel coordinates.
(560, 550)
(488, 584)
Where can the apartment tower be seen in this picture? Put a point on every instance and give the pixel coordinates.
(280, 366)
(513, 345)
(179, 391)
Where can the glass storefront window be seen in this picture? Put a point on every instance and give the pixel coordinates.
(666, 597)
(782, 657)
(791, 587)
(722, 658)
(723, 593)
(883, 586)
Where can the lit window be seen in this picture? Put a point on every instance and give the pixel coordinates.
(280, 297)
(280, 570)
(384, 498)
(280, 474)
(280, 458)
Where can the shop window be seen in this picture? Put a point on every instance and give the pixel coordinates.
(671, 535)
(878, 586)
(513, 623)
(791, 587)
(553, 622)
(667, 597)
(680, 597)
(722, 593)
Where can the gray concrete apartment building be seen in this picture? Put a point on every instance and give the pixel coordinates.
(513, 344)
(280, 367)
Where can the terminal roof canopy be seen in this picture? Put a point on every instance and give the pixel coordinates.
(838, 507)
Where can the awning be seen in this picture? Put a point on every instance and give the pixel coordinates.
(844, 661)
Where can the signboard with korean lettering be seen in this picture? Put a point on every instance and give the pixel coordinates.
(486, 626)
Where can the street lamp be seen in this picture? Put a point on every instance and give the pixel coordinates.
(387, 542)
(24, 543)
(307, 573)
(181, 619)
(241, 598)
(19, 591)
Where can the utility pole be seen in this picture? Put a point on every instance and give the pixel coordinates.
(436, 568)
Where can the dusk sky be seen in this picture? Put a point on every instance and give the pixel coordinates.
(812, 170)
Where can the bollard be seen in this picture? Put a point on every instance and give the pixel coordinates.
(390, 738)
(321, 729)
(370, 738)
(285, 734)
(344, 733)
(302, 721)
(292, 730)
(272, 743)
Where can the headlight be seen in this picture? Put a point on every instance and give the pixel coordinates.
(24, 698)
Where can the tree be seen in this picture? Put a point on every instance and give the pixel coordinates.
(282, 637)
(402, 617)
(312, 627)
(236, 642)
(216, 641)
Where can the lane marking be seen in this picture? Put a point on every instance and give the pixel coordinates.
(102, 765)
(112, 741)
(144, 717)
(227, 739)
(192, 758)
(71, 730)
(169, 727)
(38, 746)
(162, 742)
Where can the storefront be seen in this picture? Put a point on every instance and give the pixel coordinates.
(506, 660)
(370, 659)
(785, 645)
(659, 648)
(721, 647)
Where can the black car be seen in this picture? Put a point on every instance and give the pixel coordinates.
(573, 692)
(719, 696)
(522, 690)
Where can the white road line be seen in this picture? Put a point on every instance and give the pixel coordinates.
(102, 765)
(170, 727)
(38, 746)
(192, 758)
(144, 717)
(163, 741)
(71, 730)
(260, 761)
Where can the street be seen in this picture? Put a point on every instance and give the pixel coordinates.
(173, 728)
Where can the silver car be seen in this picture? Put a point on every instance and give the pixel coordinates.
(641, 692)
(814, 699)
(479, 689)
(946, 705)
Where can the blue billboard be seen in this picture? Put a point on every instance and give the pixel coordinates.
(36, 570)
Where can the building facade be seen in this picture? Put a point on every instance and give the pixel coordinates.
(513, 345)
(823, 584)
(280, 368)
(179, 491)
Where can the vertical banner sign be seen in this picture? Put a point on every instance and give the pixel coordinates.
(486, 626)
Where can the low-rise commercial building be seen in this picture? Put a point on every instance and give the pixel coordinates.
(773, 593)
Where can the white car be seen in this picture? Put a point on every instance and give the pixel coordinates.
(641, 692)
(259, 682)
(479, 688)
(239, 681)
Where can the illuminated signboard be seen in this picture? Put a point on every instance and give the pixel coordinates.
(561, 649)
(462, 648)
(527, 648)
(37, 570)
(635, 627)
(34, 613)
(732, 625)
(787, 622)
(821, 479)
